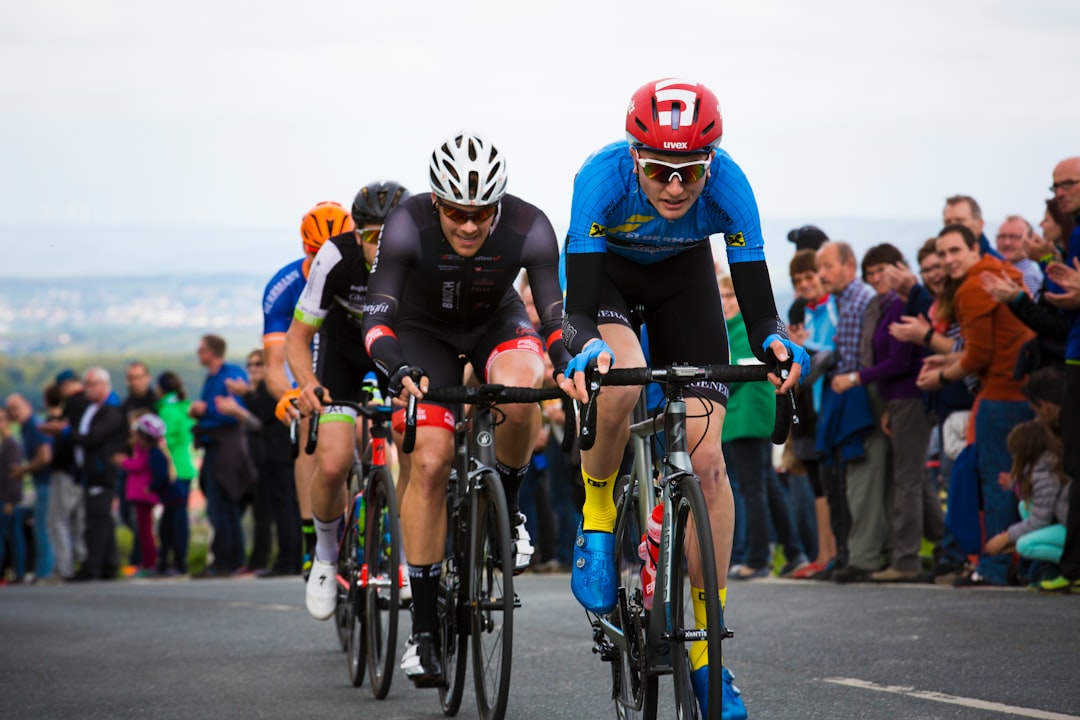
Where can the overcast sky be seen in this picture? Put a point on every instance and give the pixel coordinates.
(240, 115)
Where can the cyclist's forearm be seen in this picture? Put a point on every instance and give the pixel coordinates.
(298, 353)
(584, 278)
(753, 288)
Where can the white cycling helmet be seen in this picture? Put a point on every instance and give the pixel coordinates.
(468, 170)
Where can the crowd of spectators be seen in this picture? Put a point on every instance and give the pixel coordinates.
(937, 440)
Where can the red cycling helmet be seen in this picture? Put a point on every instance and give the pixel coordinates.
(674, 116)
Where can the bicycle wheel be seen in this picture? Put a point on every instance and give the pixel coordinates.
(382, 548)
(351, 606)
(492, 597)
(454, 637)
(634, 689)
(347, 563)
(690, 503)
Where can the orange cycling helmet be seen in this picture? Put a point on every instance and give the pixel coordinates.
(674, 116)
(323, 221)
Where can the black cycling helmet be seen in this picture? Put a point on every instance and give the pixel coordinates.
(375, 201)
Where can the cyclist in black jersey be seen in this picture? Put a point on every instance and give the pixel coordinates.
(332, 306)
(442, 290)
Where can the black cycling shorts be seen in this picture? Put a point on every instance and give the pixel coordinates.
(680, 302)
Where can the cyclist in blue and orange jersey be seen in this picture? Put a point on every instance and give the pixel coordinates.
(443, 288)
(331, 310)
(641, 216)
(283, 291)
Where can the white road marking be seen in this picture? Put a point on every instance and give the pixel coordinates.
(952, 699)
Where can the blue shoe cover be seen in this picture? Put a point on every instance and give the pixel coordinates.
(733, 707)
(593, 579)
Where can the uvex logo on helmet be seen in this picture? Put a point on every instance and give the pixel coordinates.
(673, 115)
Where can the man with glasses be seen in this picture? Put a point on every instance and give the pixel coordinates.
(328, 317)
(642, 213)
(1010, 241)
(443, 289)
(324, 220)
(1064, 290)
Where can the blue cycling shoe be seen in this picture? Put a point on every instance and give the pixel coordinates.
(593, 579)
(733, 708)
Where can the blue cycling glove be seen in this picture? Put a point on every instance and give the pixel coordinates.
(588, 356)
(796, 352)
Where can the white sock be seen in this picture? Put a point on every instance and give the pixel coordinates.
(326, 539)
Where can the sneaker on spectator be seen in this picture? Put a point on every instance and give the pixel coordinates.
(891, 574)
(850, 574)
(521, 543)
(808, 571)
(792, 566)
(973, 579)
(421, 661)
(321, 596)
(1060, 585)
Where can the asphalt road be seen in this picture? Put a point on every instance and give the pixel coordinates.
(802, 650)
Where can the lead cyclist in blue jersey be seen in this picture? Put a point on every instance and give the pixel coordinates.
(640, 221)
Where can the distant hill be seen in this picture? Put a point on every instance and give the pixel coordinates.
(77, 316)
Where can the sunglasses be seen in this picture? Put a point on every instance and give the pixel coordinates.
(369, 236)
(687, 172)
(1063, 185)
(459, 216)
(254, 364)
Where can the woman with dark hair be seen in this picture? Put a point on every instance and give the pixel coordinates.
(891, 367)
(173, 531)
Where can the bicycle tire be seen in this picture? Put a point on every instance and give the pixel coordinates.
(352, 606)
(634, 689)
(492, 596)
(382, 546)
(454, 637)
(342, 619)
(691, 503)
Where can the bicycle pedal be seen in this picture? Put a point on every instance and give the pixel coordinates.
(517, 600)
(727, 633)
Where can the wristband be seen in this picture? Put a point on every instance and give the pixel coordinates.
(1019, 296)
(941, 377)
(1047, 258)
(927, 337)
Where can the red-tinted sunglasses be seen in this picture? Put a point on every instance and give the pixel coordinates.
(687, 172)
(459, 216)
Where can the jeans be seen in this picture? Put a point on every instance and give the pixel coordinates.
(279, 486)
(43, 554)
(173, 530)
(11, 533)
(802, 509)
(566, 511)
(993, 421)
(228, 543)
(749, 461)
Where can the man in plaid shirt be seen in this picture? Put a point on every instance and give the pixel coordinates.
(863, 475)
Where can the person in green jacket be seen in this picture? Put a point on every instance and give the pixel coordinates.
(748, 456)
(173, 530)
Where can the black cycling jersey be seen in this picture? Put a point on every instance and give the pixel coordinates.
(333, 299)
(420, 282)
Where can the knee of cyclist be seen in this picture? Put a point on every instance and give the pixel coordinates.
(617, 401)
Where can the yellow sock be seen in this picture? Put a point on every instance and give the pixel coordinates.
(599, 510)
(699, 650)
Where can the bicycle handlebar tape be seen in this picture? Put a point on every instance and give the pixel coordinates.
(313, 426)
(294, 438)
(408, 442)
(569, 424)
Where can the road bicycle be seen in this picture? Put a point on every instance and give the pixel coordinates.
(369, 575)
(476, 595)
(639, 644)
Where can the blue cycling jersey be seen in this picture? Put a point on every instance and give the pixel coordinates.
(610, 213)
(279, 301)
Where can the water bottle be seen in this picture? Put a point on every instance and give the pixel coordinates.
(649, 552)
(360, 512)
(370, 385)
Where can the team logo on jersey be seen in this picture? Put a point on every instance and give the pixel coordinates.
(597, 230)
(736, 240)
(631, 223)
